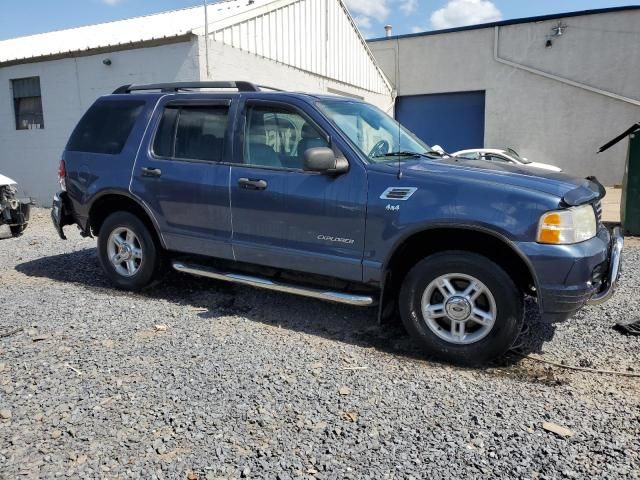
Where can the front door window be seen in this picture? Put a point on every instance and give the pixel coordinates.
(278, 138)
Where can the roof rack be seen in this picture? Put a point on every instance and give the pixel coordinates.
(177, 86)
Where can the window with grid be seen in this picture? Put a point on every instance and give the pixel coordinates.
(27, 103)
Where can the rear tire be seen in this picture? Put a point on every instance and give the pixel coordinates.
(17, 230)
(127, 251)
(461, 307)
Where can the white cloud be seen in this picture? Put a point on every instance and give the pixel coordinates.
(366, 12)
(111, 2)
(363, 22)
(408, 7)
(377, 9)
(458, 13)
(365, 25)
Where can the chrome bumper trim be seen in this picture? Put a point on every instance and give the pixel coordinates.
(615, 262)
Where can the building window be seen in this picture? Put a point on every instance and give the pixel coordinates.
(27, 103)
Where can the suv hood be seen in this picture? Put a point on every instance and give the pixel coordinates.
(572, 190)
(6, 181)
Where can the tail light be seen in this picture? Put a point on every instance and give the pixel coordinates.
(62, 175)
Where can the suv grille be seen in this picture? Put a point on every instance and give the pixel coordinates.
(398, 193)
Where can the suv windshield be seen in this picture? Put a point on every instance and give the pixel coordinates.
(375, 133)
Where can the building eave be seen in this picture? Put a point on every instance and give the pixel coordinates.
(504, 23)
(148, 43)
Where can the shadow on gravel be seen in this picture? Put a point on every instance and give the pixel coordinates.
(5, 233)
(213, 299)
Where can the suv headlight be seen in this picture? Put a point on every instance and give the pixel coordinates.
(563, 227)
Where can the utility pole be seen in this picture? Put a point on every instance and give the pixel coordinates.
(206, 38)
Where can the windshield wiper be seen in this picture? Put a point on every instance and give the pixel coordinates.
(400, 154)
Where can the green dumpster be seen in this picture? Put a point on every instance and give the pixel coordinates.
(630, 201)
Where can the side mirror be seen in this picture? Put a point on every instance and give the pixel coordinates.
(323, 160)
(439, 149)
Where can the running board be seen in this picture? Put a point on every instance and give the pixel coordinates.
(337, 297)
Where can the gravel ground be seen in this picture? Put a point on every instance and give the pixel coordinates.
(255, 384)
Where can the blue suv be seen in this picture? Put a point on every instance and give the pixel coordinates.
(330, 198)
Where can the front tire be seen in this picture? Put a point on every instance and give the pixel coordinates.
(127, 251)
(461, 307)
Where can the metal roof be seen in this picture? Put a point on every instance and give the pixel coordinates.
(159, 26)
(316, 36)
(514, 21)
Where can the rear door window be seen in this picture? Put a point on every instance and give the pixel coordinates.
(106, 126)
(192, 133)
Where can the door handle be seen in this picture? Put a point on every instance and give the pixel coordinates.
(151, 172)
(252, 184)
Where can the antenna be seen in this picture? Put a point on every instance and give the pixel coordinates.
(399, 147)
(399, 150)
(206, 38)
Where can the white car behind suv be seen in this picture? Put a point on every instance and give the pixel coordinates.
(14, 211)
(507, 155)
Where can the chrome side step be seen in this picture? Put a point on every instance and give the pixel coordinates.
(337, 297)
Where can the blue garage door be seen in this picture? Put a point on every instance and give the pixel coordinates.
(454, 121)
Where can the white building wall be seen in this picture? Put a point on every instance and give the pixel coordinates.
(544, 119)
(68, 87)
(229, 63)
(316, 36)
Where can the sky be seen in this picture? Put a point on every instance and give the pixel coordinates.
(22, 17)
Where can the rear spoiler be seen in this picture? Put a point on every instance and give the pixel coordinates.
(589, 192)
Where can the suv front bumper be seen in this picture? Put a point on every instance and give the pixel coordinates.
(572, 276)
(613, 275)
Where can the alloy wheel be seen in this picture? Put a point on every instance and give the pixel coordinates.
(459, 308)
(125, 251)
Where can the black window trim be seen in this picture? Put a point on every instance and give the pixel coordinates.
(197, 102)
(242, 119)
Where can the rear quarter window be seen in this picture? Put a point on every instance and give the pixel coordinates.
(106, 126)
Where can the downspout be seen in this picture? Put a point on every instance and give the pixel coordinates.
(394, 88)
(391, 108)
(551, 76)
(206, 38)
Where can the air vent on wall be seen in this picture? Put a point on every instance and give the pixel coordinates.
(398, 193)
